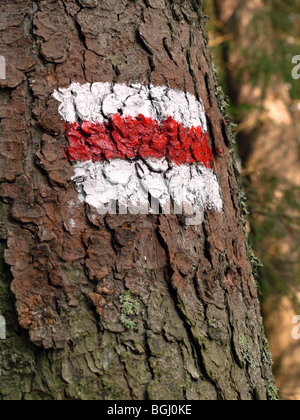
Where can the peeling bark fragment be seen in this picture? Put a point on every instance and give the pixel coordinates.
(55, 50)
(89, 3)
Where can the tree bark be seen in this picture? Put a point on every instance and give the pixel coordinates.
(197, 333)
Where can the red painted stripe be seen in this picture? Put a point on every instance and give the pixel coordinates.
(133, 138)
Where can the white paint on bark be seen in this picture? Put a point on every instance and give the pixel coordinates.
(127, 186)
(98, 101)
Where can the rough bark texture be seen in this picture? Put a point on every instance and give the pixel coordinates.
(197, 331)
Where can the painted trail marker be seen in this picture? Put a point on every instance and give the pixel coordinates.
(139, 149)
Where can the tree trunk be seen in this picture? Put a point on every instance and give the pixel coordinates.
(117, 307)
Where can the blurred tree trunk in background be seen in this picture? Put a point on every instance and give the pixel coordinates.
(116, 307)
(268, 142)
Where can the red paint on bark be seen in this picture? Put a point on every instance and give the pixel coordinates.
(141, 137)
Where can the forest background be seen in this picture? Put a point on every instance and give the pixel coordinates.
(253, 44)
